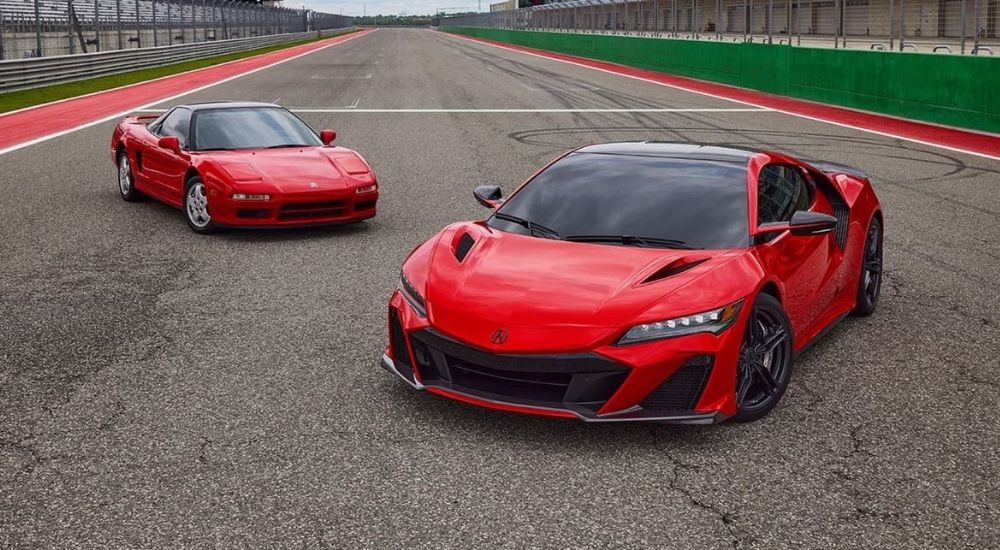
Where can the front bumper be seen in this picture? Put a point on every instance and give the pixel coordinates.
(627, 416)
(688, 379)
(293, 209)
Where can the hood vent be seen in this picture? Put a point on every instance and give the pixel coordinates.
(465, 243)
(675, 267)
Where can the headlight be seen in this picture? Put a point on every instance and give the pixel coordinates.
(714, 321)
(412, 296)
(367, 189)
(251, 197)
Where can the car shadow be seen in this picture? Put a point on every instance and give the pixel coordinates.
(156, 211)
(453, 419)
(281, 234)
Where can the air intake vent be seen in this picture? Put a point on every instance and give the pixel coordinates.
(465, 243)
(681, 391)
(675, 267)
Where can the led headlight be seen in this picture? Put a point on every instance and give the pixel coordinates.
(412, 296)
(714, 321)
(251, 197)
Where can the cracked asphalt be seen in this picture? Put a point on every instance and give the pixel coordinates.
(162, 389)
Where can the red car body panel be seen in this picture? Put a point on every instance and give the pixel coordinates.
(307, 185)
(553, 298)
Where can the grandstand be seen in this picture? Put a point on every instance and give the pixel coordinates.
(30, 28)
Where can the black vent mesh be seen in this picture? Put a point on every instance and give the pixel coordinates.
(681, 391)
(400, 351)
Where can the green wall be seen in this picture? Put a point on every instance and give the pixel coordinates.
(956, 90)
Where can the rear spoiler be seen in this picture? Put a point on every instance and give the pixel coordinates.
(834, 168)
(143, 119)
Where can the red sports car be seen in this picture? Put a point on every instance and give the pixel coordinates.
(639, 281)
(228, 164)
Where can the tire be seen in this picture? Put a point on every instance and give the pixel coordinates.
(764, 367)
(870, 280)
(196, 210)
(126, 179)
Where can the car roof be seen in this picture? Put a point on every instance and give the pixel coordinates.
(693, 151)
(206, 105)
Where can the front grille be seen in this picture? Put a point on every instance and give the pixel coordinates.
(556, 381)
(365, 205)
(308, 210)
(681, 391)
(539, 386)
(257, 213)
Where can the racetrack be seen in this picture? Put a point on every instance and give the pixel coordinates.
(158, 388)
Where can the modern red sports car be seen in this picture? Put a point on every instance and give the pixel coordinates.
(639, 281)
(228, 164)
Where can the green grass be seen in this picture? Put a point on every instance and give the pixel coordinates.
(36, 96)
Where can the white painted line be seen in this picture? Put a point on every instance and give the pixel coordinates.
(486, 111)
(707, 94)
(170, 98)
(335, 77)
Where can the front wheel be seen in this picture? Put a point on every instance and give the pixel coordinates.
(196, 207)
(126, 179)
(765, 363)
(870, 284)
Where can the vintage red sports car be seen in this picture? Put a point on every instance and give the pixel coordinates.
(228, 164)
(639, 281)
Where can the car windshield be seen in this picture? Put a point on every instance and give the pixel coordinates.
(631, 200)
(250, 128)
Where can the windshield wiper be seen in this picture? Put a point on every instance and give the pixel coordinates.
(631, 240)
(284, 145)
(536, 229)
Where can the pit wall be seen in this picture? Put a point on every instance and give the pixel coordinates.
(954, 90)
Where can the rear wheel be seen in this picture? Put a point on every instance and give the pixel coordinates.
(196, 207)
(765, 363)
(870, 284)
(126, 179)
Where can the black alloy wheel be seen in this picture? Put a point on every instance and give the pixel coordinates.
(870, 283)
(765, 362)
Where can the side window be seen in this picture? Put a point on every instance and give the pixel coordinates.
(177, 124)
(781, 190)
(154, 127)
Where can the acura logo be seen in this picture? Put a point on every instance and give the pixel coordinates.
(499, 336)
(313, 185)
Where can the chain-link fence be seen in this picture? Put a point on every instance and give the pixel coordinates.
(34, 28)
(944, 26)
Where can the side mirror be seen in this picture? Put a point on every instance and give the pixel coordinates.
(489, 196)
(327, 136)
(803, 223)
(170, 143)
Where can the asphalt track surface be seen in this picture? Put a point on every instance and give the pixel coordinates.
(158, 388)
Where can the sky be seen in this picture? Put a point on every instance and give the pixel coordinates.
(389, 7)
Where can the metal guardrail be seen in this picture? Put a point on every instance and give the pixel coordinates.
(21, 74)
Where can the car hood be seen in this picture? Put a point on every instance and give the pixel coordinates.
(556, 295)
(298, 169)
